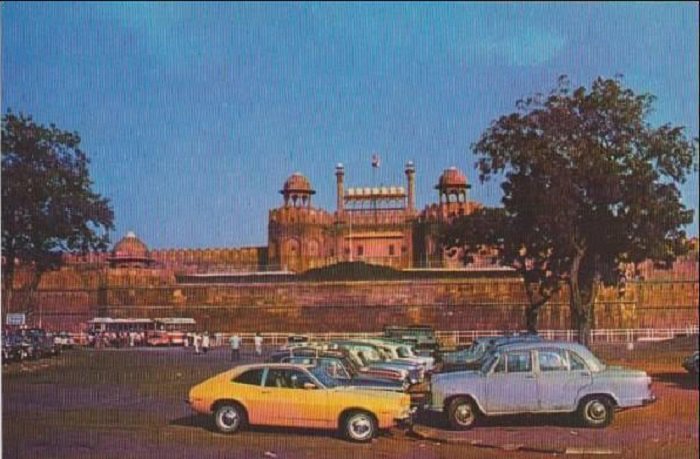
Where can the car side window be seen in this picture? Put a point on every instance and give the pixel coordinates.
(519, 362)
(286, 379)
(252, 377)
(296, 379)
(577, 362)
(552, 360)
(276, 378)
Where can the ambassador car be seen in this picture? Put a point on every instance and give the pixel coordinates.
(290, 395)
(471, 357)
(539, 377)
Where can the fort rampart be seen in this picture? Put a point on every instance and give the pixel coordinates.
(68, 298)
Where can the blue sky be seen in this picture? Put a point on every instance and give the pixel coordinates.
(194, 114)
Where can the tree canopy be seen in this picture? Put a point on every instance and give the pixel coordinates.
(48, 205)
(588, 183)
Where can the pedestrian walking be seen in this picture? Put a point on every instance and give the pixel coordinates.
(235, 343)
(258, 340)
(205, 342)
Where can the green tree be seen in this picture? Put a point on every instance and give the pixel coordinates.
(589, 183)
(516, 247)
(48, 205)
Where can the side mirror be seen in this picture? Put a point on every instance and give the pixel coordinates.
(309, 385)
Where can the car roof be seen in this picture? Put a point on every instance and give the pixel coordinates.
(528, 345)
(501, 340)
(281, 366)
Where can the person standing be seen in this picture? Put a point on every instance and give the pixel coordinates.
(197, 342)
(258, 340)
(235, 342)
(205, 342)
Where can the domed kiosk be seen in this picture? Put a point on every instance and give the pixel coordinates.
(453, 182)
(297, 190)
(130, 251)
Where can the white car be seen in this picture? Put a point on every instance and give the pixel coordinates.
(539, 377)
(403, 352)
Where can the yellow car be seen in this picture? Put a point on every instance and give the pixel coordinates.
(296, 396)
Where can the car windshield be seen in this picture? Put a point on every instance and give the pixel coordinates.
(350, 366)
(322, 376)
(404, 352)
(369, 355)
(489, 361)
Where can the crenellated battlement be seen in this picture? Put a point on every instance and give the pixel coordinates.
(446, 211)
(239, 256)
(309, 215)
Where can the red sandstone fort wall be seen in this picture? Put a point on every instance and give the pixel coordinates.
(456, 304)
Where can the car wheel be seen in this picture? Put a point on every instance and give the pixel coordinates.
(596, 411)
(359, 426)
(462, 413)
(229, 418)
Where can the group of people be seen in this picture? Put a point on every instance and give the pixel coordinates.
(116, 339)
(235, 343)
(201, 343)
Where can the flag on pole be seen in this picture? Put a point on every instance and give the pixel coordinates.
(375, 160)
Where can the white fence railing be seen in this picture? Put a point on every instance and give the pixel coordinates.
(464, 337)
(610, 335)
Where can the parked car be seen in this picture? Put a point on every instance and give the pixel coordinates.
(690, 363)
(42, 343)
(290, 395)
(64, 340)
(16, 348)
(399, 376)
(373, 358)
(402, 352)
(539, 377)
(472, 357)
(419, 336)
(345, 373)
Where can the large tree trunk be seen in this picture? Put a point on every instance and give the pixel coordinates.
(29, 301)
(8, 280)
(532, 312)
(583, 289)
(579, 312)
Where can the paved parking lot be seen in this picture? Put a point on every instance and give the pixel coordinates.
(130, 403)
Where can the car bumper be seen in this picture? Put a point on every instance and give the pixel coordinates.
(407, 421)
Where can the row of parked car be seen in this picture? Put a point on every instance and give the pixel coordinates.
(360, 386)
(33, 344)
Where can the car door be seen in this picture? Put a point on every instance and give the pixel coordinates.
(561, 377)
(286, 402)
(247, 387)
(511, 385)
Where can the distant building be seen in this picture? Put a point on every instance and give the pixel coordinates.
(375, 224)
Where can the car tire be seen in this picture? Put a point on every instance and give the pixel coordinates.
(359, 426)
(596, 411)
(462, 413)
(229, 418)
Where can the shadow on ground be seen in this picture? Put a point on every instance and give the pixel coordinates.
(681, 380)
(203, 422)
(437, 420)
